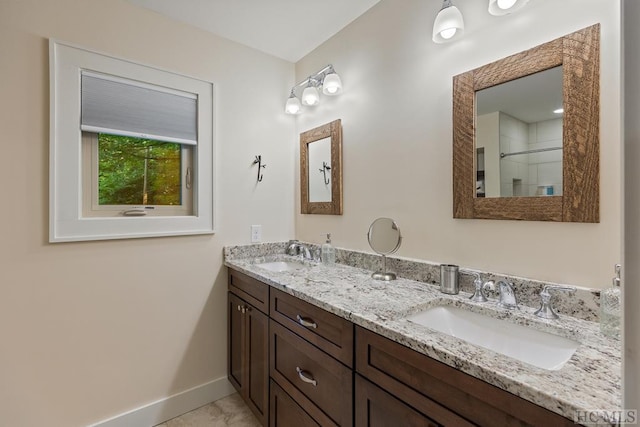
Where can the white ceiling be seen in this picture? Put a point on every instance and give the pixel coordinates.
(288, 29)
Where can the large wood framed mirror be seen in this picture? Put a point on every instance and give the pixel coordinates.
(500, 175)
(321, 169)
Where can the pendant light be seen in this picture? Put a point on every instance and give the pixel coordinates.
(503, 7)
(449, 24)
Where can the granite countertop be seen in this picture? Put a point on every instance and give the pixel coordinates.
(590, 380)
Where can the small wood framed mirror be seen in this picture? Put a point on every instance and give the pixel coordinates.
(321, 169)
(523, 185)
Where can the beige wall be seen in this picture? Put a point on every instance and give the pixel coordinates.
(396, 116)
(91, 330)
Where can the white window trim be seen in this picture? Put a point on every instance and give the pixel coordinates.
(66, 221)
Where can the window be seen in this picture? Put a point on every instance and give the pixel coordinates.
(131, 149)
(130, 176)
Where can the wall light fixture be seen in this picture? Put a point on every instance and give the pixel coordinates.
(327, 78)
(503, 7)
(449, 24)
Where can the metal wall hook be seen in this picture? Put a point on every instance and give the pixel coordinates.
(258, 161)
(324, 169)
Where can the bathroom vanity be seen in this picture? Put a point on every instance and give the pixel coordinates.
(327, 345)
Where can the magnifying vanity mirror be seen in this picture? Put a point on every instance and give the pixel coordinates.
(526, 134)
(321, 169)
(384, 238)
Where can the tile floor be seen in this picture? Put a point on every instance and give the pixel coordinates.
(230, 411)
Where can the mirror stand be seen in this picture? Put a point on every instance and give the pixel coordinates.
(384, 275)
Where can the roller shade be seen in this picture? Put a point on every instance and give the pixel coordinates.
(125, 107)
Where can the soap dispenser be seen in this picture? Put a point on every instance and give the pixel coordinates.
(610, 307)
(328, 252)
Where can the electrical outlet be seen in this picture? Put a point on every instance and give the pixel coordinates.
(256, 233)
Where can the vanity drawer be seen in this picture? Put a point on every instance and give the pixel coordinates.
(249, 289)
(402, 372)
(285, 412)
(331, 333)
(310, 376)
(377, 408)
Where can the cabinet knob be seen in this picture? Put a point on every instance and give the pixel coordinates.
(304, 377)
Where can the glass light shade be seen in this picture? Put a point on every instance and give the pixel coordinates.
(293, 105)
(448, 25)
(504, 7)
(310, 96)
(332, 84)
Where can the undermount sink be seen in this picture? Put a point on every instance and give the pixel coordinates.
(279, 266)
(541, 349)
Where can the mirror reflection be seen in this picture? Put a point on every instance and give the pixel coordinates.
(519, 129)
(320, 170)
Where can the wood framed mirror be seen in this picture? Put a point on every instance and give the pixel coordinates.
(577, 196)
(321, 169)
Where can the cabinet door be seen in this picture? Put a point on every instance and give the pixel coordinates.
(257, 359)
(248, 344)
(235, 342)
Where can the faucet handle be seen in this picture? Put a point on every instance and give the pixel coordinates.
(292, 247)
(479, 295)
(546, 310)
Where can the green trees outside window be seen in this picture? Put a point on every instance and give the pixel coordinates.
(137, 171)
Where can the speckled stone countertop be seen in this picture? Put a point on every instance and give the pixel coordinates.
(590, 380)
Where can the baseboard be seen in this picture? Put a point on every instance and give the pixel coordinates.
(172, 406)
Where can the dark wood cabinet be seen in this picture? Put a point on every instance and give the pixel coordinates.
(248, 355)
(284, 411)
(444, 394)
(377, 408)
(331, 333)
(293, 363)
(317, 381)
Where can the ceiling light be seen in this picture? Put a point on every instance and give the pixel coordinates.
(503, 7)
(327, 78)
(449, 24)
(293, 104)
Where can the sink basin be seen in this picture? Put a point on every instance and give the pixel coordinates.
(279, 266)
(541, 349)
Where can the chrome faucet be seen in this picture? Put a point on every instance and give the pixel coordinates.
(546, 310)
(296, 248)
(479, 294)
(508, 297)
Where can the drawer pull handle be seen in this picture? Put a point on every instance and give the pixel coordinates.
(305, 378)
(306, 323)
